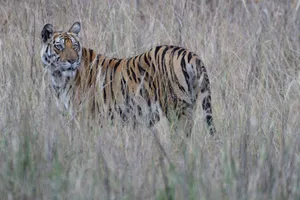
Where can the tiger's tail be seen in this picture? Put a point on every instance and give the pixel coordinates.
(205, 95)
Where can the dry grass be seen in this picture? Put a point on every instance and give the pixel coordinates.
(252, 52)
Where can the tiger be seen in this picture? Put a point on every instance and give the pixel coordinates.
(164, 81)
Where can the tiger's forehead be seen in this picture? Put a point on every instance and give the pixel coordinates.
(64, 36)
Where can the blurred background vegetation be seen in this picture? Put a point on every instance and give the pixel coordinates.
(251, 49)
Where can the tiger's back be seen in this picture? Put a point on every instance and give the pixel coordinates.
(165, 80)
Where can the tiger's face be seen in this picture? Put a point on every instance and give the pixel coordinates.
(61, 51)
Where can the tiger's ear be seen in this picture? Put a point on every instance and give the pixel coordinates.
(75, 28)
(47, 32)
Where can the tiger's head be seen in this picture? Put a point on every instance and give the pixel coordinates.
(61, 51)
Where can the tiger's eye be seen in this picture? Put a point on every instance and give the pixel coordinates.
(59, 46)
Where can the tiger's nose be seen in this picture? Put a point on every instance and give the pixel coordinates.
(71, 61)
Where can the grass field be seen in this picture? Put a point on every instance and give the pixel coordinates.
(252, 52)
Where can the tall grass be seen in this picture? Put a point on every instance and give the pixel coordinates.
(252, 52)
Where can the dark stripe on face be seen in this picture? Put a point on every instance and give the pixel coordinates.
(47, 49)
(46, 59)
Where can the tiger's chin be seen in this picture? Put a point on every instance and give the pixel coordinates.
(69, 73)
(60, 76)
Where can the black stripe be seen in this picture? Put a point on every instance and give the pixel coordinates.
(153, 67)
(149, 102)
(84, 53)
(46, 59)
(190, 55)
(158, 92)
(181, 88)
(146, 59)
(180, 51)
(206, 105)
(127, 95)
(155, 92)
(123, 85)
(104, 85)
(164, 52)
(93, 68)
(97, 60)
(146, 77)
(141, 69)
(134, 63)
(116, 65)
(163, 60)
(175, 79)
(175, 49)
(156, 51)
(111, 84)
(186, 76)
(133, 74)
(103, 62)
(91, 55)
(127, 69)
(90, 77)
(198, 62)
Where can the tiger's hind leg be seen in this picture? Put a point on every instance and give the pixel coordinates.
(182, 119)
(186, 120)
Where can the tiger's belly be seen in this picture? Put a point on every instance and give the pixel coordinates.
(143, 102)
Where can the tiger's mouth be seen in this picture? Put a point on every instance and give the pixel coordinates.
(64, 66)
(69, 69)
(73, 67)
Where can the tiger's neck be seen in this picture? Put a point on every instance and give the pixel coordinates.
(86, 73)
(85, 81)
